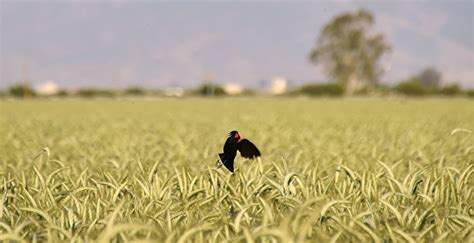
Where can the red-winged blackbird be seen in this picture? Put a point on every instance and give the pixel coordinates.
(232, 144)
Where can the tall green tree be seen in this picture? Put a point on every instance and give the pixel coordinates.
(349, 51)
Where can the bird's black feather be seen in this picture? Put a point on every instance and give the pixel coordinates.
(248, 149)
(233, 143)
(228, 161)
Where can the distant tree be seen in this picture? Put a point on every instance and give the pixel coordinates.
(470, 93)
(348, 52)
(210, 89)
(411, 87)
(21, 90)
(91, 92)
(324, 89)
(134, 91)
(430, 78)
(450, 90)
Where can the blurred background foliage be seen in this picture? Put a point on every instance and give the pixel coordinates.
(348, 50)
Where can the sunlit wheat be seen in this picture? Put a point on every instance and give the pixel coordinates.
(331, 170)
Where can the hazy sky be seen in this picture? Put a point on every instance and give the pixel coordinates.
(120, 43)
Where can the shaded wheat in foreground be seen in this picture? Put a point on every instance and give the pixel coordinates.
(354, 175)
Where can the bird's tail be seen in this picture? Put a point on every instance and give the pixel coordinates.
(228, 162)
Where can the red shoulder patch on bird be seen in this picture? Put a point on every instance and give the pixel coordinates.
(240, 140)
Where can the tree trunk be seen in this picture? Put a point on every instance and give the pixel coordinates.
(352, 85)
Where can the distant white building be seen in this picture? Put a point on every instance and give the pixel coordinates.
(47, 88)
(278, 85)
(174, 92)
(233, 89)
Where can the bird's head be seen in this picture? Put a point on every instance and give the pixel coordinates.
(235, 135)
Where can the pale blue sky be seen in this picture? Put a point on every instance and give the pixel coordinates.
(145, 43)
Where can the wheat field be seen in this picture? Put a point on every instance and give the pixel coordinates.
(332, 170)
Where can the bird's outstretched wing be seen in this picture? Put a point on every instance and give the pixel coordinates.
(248, 149)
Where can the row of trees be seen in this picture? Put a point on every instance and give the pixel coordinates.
(23, 90)
(406, 88)
(411, 87)
(206, 89)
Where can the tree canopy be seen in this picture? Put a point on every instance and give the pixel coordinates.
(349, 52)
(430, 78)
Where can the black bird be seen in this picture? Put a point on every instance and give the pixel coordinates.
(232, 144)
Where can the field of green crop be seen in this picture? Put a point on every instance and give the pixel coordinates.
(338, 170)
